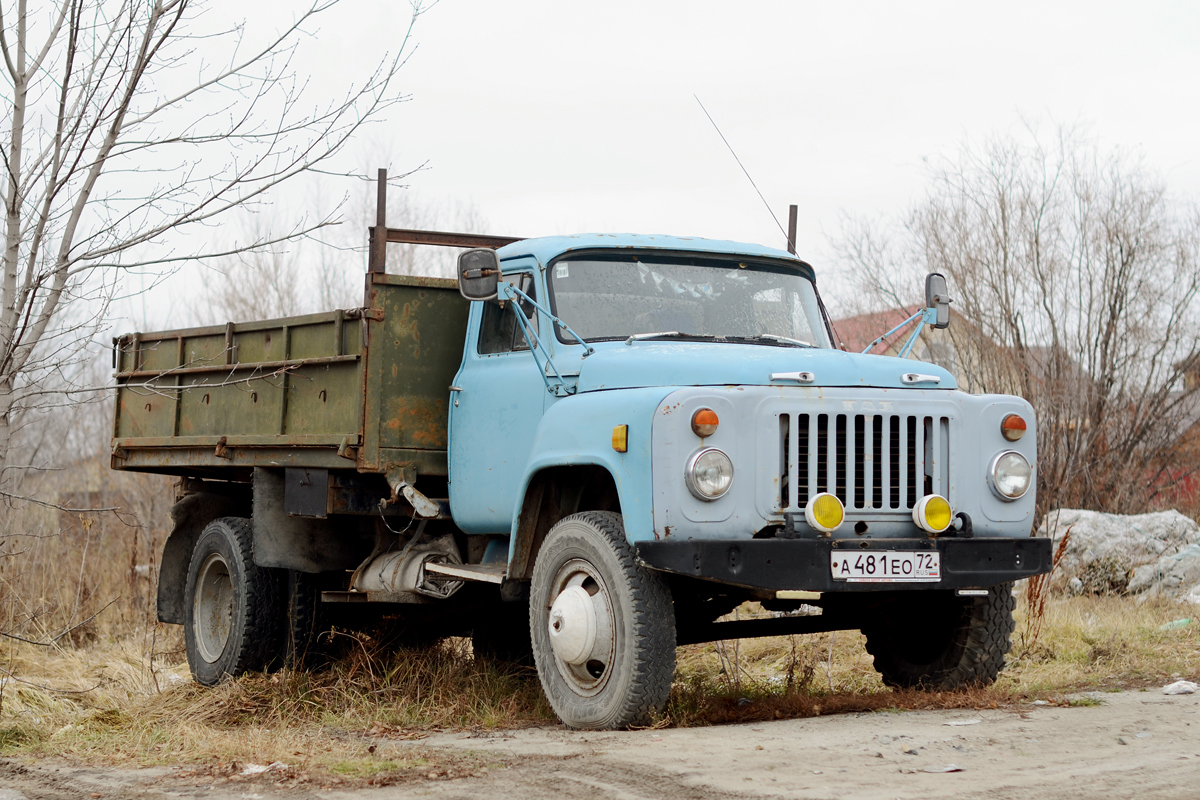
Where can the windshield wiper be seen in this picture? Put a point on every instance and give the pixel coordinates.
(637, 337)
(786, 341)
(773, 337)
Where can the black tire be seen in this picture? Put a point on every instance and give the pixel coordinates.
(234, 608)
(938, 641)
(308, 629)
(621, 675)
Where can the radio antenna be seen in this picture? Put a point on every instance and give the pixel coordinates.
(746, 172)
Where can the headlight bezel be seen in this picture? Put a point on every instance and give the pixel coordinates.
(689, 474)
(991, 475)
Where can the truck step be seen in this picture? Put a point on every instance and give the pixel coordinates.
(488, 573)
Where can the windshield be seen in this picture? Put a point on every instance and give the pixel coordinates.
(621, 295)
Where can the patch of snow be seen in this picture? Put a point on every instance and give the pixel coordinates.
(1181, 687)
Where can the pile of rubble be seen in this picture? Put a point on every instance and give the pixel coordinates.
(1151, 555)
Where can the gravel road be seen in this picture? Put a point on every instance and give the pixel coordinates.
(1134, 744)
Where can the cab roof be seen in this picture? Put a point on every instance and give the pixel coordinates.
(548, 248)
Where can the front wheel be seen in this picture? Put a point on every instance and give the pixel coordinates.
(936, 640)
(234, 607)
(602, 627)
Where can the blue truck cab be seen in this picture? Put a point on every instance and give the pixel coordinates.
(651, 430)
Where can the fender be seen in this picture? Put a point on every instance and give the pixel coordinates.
(190, 515)
(576, 431)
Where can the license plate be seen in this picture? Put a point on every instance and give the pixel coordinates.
(887, 566)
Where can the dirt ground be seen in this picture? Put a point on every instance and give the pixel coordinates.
(1132, 744)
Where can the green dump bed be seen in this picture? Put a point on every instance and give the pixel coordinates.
(354, 389)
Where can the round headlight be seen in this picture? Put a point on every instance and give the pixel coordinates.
(709, 474)
(1010, 475)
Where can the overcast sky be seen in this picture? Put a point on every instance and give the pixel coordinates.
(558, 117)
(562, 117)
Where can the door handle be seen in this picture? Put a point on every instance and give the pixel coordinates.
(798, 377)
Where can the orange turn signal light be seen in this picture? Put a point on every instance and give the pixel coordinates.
(1012, 427)
(620, 440)
(705, 422)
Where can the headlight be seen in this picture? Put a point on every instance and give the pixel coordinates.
(1010, 475)
(709, 474)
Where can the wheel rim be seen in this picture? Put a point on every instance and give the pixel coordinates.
(581, 627)
(212, 610)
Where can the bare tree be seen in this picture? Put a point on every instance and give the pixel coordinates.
(132, 128)
(258, 284)
(325, 271)
(1077, 275)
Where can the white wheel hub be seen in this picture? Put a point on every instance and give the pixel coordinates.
(212, 608)
(573, 625)
(581, 627)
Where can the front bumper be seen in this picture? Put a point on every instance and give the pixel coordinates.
(804, 564)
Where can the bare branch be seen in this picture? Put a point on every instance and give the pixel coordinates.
(1076, 278)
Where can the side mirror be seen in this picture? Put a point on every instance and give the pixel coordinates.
(937, 298)
(478, 273)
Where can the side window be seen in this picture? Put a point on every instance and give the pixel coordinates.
(499, 331)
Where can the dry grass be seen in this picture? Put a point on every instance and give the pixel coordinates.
(350, 723)
(337, 725)
(115, 690)
(1085, 643)
(1107, 643)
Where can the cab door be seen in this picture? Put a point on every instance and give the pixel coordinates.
(496, 406)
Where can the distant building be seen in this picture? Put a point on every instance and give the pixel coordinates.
(939, 347)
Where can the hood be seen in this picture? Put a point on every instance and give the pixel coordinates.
(616, 365)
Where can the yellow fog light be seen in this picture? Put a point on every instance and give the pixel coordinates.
(824, 512)
(932, 513)
(621, 438)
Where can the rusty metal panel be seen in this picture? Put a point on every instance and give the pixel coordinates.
(293, 382)
(158, 355)
(324, 399)
(264, 345)
(144, 413)
(296, 391)
(244, 405)
(447, 239)
(413, 355)
(172, 458)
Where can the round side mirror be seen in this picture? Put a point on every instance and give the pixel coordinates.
(478, 273)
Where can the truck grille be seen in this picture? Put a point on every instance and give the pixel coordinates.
(871, 462)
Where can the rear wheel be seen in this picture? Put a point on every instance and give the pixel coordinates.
(936, 640)
(308, 624)
(234, 607)
(602, 626)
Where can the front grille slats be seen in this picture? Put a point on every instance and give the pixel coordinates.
(871, 462)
